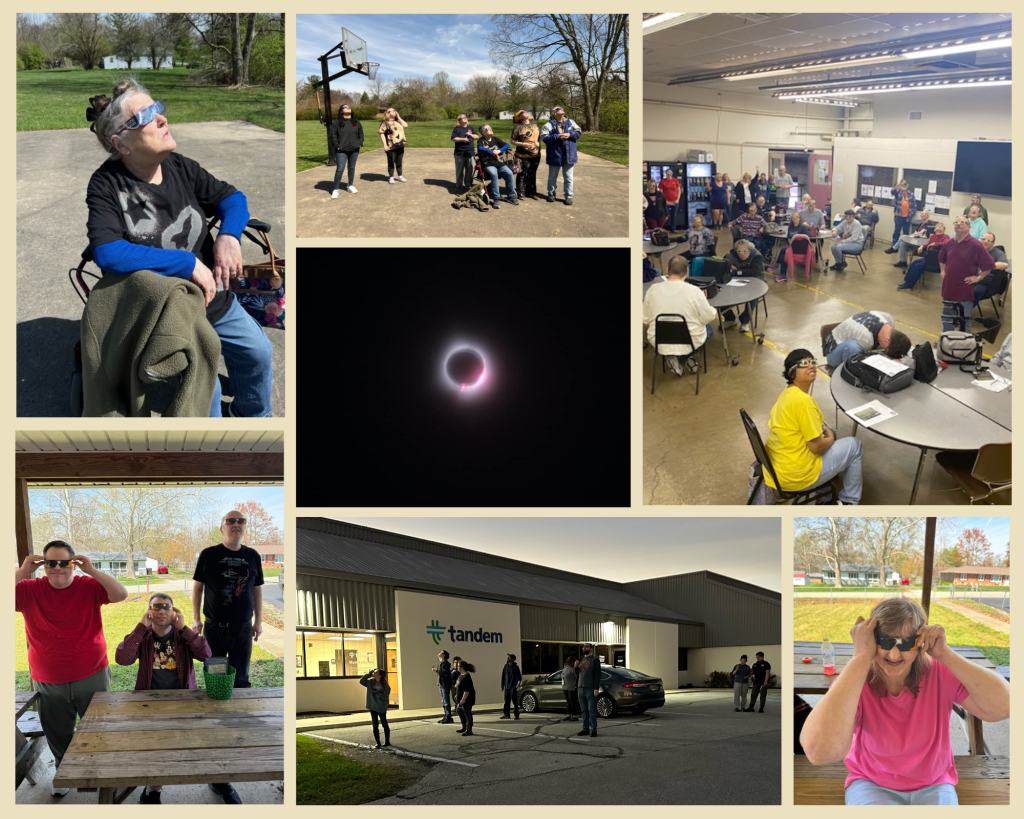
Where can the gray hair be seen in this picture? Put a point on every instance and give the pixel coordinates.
(743, 244)
(111, 116)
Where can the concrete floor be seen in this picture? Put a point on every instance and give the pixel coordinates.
(695, 449)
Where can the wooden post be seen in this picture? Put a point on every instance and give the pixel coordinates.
(929, 562)
(22, 520)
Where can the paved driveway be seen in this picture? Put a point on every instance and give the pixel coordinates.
(53, 171)
(694, 751)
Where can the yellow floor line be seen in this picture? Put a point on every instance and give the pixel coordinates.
(859, 307)
(782, 352)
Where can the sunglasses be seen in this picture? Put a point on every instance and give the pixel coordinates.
(143, 118)
(240, 521)
(53, 564)
(160, 606)
(886, 642)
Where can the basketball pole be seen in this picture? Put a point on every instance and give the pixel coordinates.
(337, 51)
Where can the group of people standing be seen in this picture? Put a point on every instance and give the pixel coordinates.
(756, 678)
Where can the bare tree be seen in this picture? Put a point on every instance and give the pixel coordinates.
(592, 46)
(828, 540)
(486, 95)
(889, 538)
(224, 33)
(71, 513)
(443, 88)
(82, 37)
(129, 35)
(380, 90)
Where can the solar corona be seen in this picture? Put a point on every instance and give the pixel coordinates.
(465, 368)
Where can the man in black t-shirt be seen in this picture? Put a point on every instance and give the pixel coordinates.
(760, 672)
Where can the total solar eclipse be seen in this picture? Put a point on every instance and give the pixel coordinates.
(465, 368)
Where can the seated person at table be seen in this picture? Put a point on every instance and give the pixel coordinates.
(794, 228)
(745, 262)
(812, 217)
(847, 237)
(677, 296)
(67, 652)
(862, 333)
(981, 289)
(804, 451)
(887, 715)
(751, 226)
(978, 225)
(165, 648)
(1004, 357)
(963, 262)
(766, 211)
(907, 241)
(976, 201)
(650, 272)
(916, 269)
(701, 239)
(867, 215)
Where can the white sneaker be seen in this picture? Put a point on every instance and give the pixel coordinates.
(334, 194)
(729, 324)
(391, 180)
(744, 328)
(59, 791)
(675, 366)
(402, 179)
(352, 189)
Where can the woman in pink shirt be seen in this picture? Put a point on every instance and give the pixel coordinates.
(887, 714)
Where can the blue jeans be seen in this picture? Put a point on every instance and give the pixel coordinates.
(914, 272)
(493, 172)
(341, 159)
(446, 702)
(902, 226)
(673, 211)
(845, 247)
(866, 792)
(842, 351)
(566, 179)
(710, 332)
(845, 456)
(947, 317)
(588, 705)
(249, 357)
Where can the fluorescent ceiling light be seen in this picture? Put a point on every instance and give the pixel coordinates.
(892, 88)
(659, 22)
(827, 101)
(897, 89)
(820, 65)
(958, 48)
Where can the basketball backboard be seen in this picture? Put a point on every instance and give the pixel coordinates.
(354, 48)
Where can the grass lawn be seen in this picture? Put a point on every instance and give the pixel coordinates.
(325, 777)
(998, 655)
(271, 572)
(816, 622)
(118, 620)
(311, 140)
(56, 99)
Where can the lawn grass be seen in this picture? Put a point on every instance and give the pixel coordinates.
(311, 140)
(815, 622)
(325, 777)
(56, 99)
(120, 619)
(997, 654)
(271, 572)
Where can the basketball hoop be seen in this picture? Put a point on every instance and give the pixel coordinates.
(370, 69)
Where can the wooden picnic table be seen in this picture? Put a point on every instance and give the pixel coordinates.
(810, 678)
(128, 739)
(28, 742)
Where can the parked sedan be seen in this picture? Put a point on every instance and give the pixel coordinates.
(621, 688)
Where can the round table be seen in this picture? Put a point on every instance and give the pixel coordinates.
(652, 249)
(949, 413)
(733, 296)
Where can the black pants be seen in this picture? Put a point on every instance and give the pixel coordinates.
(755, 689)
(510, 697)
(526, 182)
(380, 715)
(572, 702)
(235, 643)
(395, 160)
(466, 715)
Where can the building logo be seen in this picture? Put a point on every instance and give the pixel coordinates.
(435, 630)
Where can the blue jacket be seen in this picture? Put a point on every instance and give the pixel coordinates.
(560, 151)
(511, 676)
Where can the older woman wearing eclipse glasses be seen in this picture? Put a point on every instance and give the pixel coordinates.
(887, 714)
(67, 653)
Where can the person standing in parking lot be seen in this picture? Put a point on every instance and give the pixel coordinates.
(570, 677)
(511, 682)
(741, 676)
(467, 697)
(762, 672)
(589, 688)
(443, 669)
(455, 682)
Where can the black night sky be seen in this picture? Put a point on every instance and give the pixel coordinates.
(381, 424)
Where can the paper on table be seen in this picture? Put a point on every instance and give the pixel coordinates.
(889, 366)
(874, 412)
(932, 185)
(918, 193)
(996, 384)
(737, 283)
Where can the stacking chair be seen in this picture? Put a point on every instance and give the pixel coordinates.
(857, 255)
(826, 493)
(979, 473)
(805, 254)
(671, 328)
(997, 287)
(931, 262)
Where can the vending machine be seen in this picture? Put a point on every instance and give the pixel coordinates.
(694, 197)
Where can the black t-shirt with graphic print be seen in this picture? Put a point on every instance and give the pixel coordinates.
(229, 579)
(171, 215)
(165, 664)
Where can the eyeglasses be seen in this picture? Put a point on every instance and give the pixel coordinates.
(53, 564)
(886, 642)
(804, 362)
(143, 118)
(160, 606)
(239, 521)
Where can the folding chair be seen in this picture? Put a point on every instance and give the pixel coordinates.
(826, 492)
(674, 330)
(806, 256)
(979, 473)
(998, 283)
(857, 255)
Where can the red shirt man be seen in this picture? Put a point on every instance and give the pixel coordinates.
(670, 187)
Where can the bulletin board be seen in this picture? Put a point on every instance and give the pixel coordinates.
(931, 189)
(880, 180)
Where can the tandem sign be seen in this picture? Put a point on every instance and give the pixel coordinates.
(437, 632)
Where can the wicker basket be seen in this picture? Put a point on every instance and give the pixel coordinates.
(219, 686)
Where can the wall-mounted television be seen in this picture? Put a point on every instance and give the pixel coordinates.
(983, 167)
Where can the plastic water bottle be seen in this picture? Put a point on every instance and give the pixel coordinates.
(828, 657)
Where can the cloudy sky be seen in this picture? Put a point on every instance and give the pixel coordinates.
(619, 549)
(404, 45)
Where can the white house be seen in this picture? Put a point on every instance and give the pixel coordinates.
(152, 564)
(142, 62)
(799, 578)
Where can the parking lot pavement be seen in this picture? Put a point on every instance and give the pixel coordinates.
(694, 750)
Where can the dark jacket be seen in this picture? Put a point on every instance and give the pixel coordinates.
(560, 151)
(455, 676)
(898, 194)
(759, 188)
(511, 676)
(444, 675)
(376, 700)
(346, 139)
(138, 645)
(490, 150)
(589, 669)
(752, 266)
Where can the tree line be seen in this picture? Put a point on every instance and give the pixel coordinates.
(228, 49)
(825, 543)
(172, 524)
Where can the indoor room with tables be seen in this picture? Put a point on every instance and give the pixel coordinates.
(897, 127)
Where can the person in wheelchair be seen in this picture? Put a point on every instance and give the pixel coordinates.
(491, 152)
(148, 210)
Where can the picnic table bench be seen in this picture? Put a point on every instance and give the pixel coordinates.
(129, 739)
(28, 742)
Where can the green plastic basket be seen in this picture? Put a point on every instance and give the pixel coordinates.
(220, 686)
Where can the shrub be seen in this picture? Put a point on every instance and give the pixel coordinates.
(31, 56)
(719, 679)
(266, 65)
(451, 111)
(365, 112)
(306, 114)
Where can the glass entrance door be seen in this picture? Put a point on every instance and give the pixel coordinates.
(391, 651)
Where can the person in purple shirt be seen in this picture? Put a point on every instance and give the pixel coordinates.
(963, 262)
